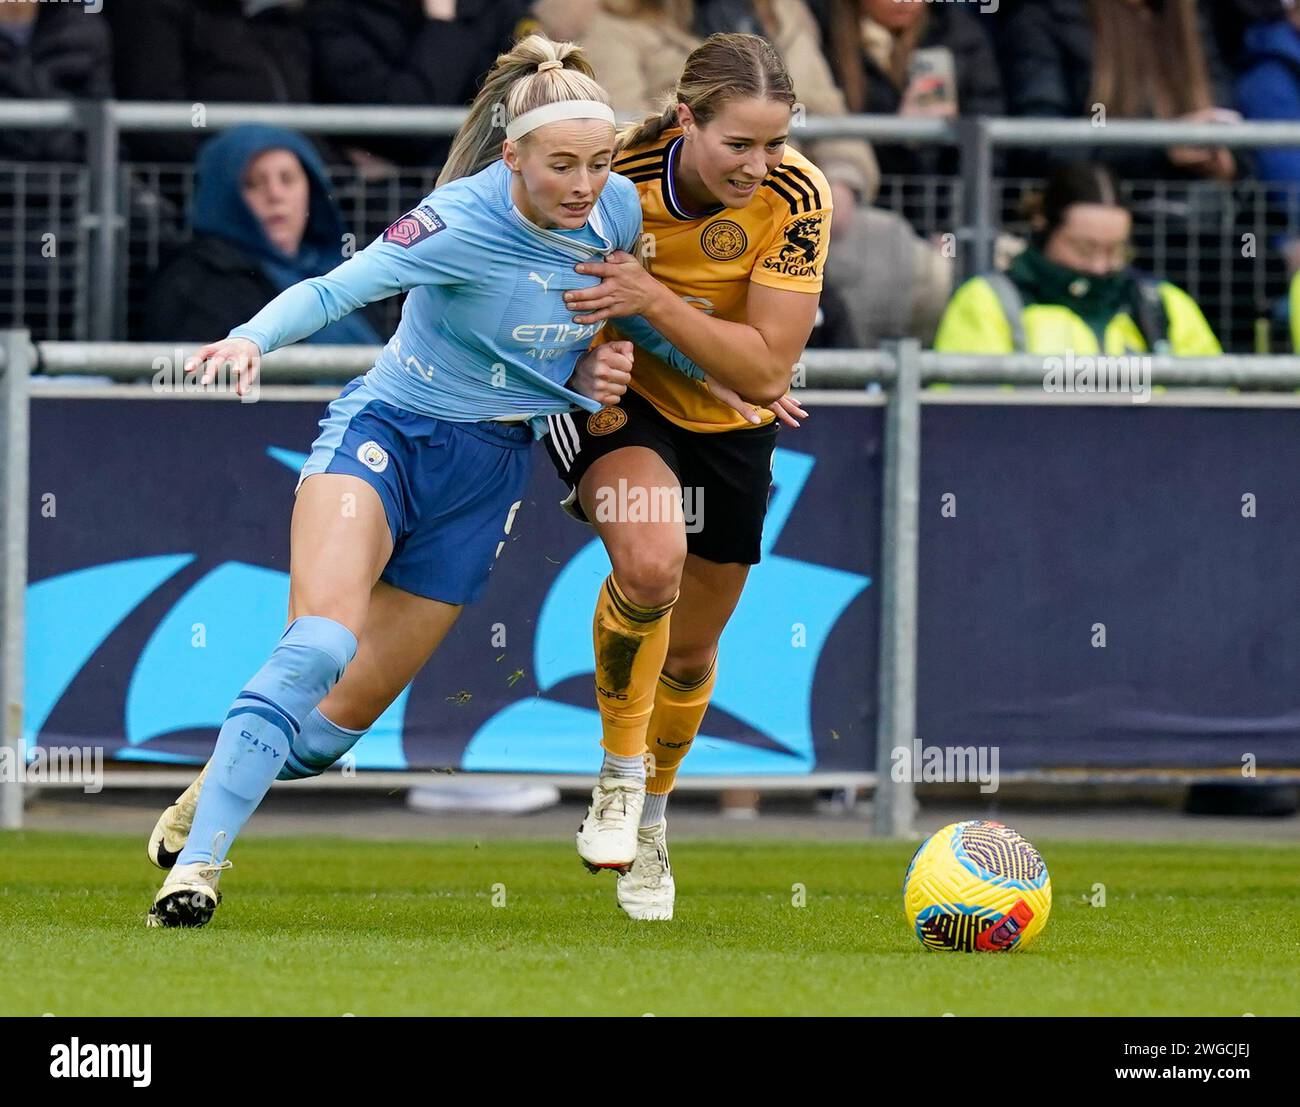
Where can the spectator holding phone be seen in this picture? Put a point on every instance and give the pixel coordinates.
(915, 60)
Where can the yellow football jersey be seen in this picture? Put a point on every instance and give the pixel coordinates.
(778, 239)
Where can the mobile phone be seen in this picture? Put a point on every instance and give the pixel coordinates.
(932, 77)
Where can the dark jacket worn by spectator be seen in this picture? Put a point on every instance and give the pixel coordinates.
(1050, 73)
(207, 51)
(1269, 88)
(1232, 19)
(391, 52)
(231, 269)
(61, 54)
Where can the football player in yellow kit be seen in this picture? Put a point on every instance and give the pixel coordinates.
(735, 230)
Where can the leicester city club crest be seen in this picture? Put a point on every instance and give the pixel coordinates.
(606, 421)
(724, 240)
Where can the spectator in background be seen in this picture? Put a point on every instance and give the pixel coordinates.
(1231, 19)
(638, 48)
(559, 20)
(50, 52)
(913, 60)
(1138, 59)
(409, 52)
(263, 220)
(1073, 288)
(1268, 86)
(207, 51)
(882, 282)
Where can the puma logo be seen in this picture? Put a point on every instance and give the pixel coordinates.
(543, 283)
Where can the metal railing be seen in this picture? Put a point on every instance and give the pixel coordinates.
(976, 201)
(903, 369)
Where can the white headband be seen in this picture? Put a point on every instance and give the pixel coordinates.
(553, 113)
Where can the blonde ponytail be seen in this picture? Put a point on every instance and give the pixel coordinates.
(513, 87)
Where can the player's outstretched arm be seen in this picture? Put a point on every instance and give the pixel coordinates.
(400, 259)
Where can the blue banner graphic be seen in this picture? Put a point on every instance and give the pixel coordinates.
(1100, 587)
(158, 569)
(1111, 587)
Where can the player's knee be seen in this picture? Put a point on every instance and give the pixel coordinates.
(650, 575)
(356, 719)
(690, 664)
(349, 712)
(350, 615)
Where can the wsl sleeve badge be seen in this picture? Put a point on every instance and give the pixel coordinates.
(415, 226)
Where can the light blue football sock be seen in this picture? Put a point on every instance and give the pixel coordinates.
(259, 730)
(317, 746)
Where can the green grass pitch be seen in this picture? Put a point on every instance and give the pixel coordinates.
(332, 926)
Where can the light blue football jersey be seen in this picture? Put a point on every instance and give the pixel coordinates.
(484, 332)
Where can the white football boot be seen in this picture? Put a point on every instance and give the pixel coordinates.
(607, 837)
(646, 890)
(172, 829)
(189, 895)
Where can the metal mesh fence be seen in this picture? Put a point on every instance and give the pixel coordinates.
(44, 248)
(1226, 245)
(159, 197)
(933, 205)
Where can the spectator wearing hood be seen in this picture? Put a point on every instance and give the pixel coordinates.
(263, 220)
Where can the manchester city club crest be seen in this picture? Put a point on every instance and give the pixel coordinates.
(373, 456)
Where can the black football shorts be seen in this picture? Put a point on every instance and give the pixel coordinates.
(726, 476)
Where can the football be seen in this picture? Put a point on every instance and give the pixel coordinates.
(977, 886)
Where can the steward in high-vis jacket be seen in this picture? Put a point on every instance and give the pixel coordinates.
(1073, 288)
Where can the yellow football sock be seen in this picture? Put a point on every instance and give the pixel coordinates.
(679, 710)
(631, 643)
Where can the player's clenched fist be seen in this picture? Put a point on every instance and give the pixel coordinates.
(231, 355)
(603, 374)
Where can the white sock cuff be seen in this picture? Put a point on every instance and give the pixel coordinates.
(627, 768)
(655, 809)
